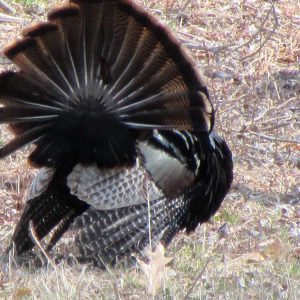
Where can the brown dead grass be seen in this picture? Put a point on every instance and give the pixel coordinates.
(249, 53)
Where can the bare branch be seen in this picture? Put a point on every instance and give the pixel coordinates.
(232, 46)
(271, 138)
(37, 242)
(6, 8)
(195, 281)
(7, 18)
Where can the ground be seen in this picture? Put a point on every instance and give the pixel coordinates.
(249, 54)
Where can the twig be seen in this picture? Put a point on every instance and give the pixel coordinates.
(261, 27)
(275, 126)
(260, 30)
(169, 7)
(116, 291)
(230, 46)
(187, 3)
(6, 8)
(195, 281)
(7, 18)
(258, 118)
(284, 118)
(273, 139)
(194, 37)
(37, 242)
(201, 46)
(149, 220)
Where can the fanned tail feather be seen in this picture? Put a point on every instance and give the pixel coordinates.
(108, 58)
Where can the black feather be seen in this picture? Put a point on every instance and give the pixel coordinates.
(54, 206)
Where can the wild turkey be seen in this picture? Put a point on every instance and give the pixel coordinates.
(122, 127)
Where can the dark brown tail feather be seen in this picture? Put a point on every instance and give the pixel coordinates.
(106, 54)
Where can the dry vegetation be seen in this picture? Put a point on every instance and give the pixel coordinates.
(249, 52)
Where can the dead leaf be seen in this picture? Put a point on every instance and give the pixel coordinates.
(251, 257)
(21, 293)
(156, 268)
(247, 261)
(274, 249)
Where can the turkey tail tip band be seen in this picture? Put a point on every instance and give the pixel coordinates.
(39, 29)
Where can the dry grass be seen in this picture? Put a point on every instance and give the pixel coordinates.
(249, 52)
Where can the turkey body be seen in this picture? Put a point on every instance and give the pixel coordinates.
(122, 127)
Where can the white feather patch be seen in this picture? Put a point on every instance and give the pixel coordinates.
(111, 188)
(40, 183)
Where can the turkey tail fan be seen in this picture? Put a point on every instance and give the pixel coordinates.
(106, 61)
(108, 237)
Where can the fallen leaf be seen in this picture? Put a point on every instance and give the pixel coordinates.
(274, 249)
(21, 293)
(156, 268)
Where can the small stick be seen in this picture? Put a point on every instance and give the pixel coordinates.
(6, 8)
(195, 281)
(7, 18)
(37, 242)
(273, 139)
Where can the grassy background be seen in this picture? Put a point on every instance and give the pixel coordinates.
(249, 54)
